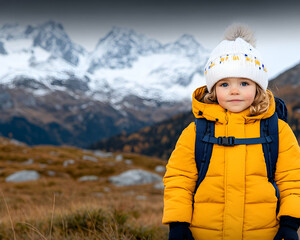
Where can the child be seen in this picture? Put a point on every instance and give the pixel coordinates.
(235, 200)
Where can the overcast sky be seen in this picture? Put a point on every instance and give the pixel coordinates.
(275, 23)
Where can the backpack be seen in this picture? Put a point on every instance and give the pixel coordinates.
(205, 139)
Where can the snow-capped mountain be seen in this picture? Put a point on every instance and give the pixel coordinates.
(120, 48)
(52, 38)
(128, 81)
(123, 62)
(49, 36)
(43, 54)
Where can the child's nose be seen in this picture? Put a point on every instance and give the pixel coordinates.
(234, 90)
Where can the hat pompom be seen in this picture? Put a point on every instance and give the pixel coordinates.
(240, 31)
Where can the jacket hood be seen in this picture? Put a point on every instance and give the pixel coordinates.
(214, 112)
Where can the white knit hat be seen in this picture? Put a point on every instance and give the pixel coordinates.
(235, 57)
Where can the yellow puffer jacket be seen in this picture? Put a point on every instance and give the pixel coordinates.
(235, 200)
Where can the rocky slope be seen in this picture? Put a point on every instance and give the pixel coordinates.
(61, 118)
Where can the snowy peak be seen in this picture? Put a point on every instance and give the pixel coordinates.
(52, 26)
(186, 45)
(12, 32)
(120, 48)
(15, 39)
(124, 38)
(187, 40)
(52, 38)
(49, 36)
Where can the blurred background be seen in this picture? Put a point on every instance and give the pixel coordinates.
(92, 89)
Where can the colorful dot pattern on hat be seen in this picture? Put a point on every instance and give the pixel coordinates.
(236, 57)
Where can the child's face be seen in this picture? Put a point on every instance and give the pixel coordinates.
(235, 94)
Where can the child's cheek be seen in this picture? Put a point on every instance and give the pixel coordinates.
(250, 97)
(221, 100)
(220, 96)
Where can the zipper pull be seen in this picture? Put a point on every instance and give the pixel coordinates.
(226, 116)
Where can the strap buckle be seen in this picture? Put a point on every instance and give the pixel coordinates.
(226, 141)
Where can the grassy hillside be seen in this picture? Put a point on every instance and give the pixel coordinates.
(58, 206)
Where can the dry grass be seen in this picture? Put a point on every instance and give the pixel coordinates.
(122, 215)
(60, 207)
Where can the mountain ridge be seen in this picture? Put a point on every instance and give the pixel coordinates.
(46, 52)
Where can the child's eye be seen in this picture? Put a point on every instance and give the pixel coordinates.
(224, 85)
(244, 84)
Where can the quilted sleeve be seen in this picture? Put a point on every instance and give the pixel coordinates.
(180, 179)
(287, 174)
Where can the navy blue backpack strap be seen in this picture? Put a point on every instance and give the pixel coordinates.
(269, 127)
(203, 150)
(280, 109)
